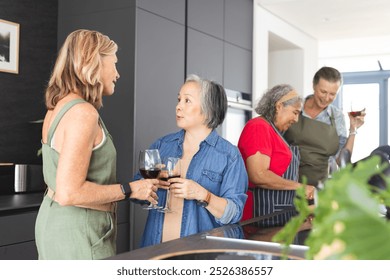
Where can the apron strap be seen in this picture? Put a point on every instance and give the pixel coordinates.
(59, 116)
(292, 172)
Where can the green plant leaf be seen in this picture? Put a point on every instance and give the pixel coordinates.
(346, 223)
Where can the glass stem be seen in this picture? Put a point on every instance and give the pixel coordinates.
(167, 202)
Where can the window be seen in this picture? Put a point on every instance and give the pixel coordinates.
(371, 89)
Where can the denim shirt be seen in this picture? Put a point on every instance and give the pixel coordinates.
(219, 168)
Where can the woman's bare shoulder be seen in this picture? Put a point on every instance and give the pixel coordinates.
(83, 111)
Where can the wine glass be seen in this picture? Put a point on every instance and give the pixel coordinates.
(149, 163)
(357, 107)
(171, 169)
(332, 167)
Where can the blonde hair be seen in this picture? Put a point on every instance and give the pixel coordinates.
(78, 68)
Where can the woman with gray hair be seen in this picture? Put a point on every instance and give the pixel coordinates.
(211, 190)
(272, 165)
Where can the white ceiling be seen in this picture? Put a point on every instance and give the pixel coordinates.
(334, 19)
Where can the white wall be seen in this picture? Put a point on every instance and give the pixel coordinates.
(286, 66)
(295, 64)
(357, 54)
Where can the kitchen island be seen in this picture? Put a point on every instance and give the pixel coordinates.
(247, 240)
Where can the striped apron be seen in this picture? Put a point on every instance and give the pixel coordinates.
(268, 201)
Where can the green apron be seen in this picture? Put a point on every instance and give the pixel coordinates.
(317, 141)
(70, 232)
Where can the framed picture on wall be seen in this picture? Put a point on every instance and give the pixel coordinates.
(9, 46)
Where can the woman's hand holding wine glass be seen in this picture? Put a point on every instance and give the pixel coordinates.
(145, 190)
(149, 164)
(356, 116)
(170, 169)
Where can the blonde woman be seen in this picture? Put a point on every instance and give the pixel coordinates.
(76, 219)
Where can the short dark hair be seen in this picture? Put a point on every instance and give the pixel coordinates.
(329, 74)
(213, 100)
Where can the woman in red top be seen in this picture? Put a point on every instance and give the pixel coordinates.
(272, 165)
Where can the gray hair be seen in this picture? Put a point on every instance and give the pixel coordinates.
(329, 74)
(266, 107)
(213, 100)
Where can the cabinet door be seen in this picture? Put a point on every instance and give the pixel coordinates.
(17, 236)
(20, 251)
(76, 7)
(123, 236)
(171, 9)
(206, 16)
(239, 23)
(17, 228)
(123, 211)
(204, 56)
(159, 75)
(237, 68)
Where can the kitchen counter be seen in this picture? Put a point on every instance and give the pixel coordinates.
(17, 203)
(247, 240)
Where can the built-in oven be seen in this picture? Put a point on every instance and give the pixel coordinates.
(239, 112)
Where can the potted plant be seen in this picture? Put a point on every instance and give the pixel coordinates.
(346, 220)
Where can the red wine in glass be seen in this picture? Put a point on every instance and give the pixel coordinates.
(357, 108)
(149, 163)
(169, 177)
(150, 173)
(171, 169)
(356, 113)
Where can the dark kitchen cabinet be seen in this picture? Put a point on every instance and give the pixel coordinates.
(17, 236)
(228, 20)
(238, 34)
(19, 251)
(160, 73)
(219, 41)
(17, 232)
(170, 9)
(206, 16)
(204, 55)
(239, 23)
(123, 233)
(237, 68)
